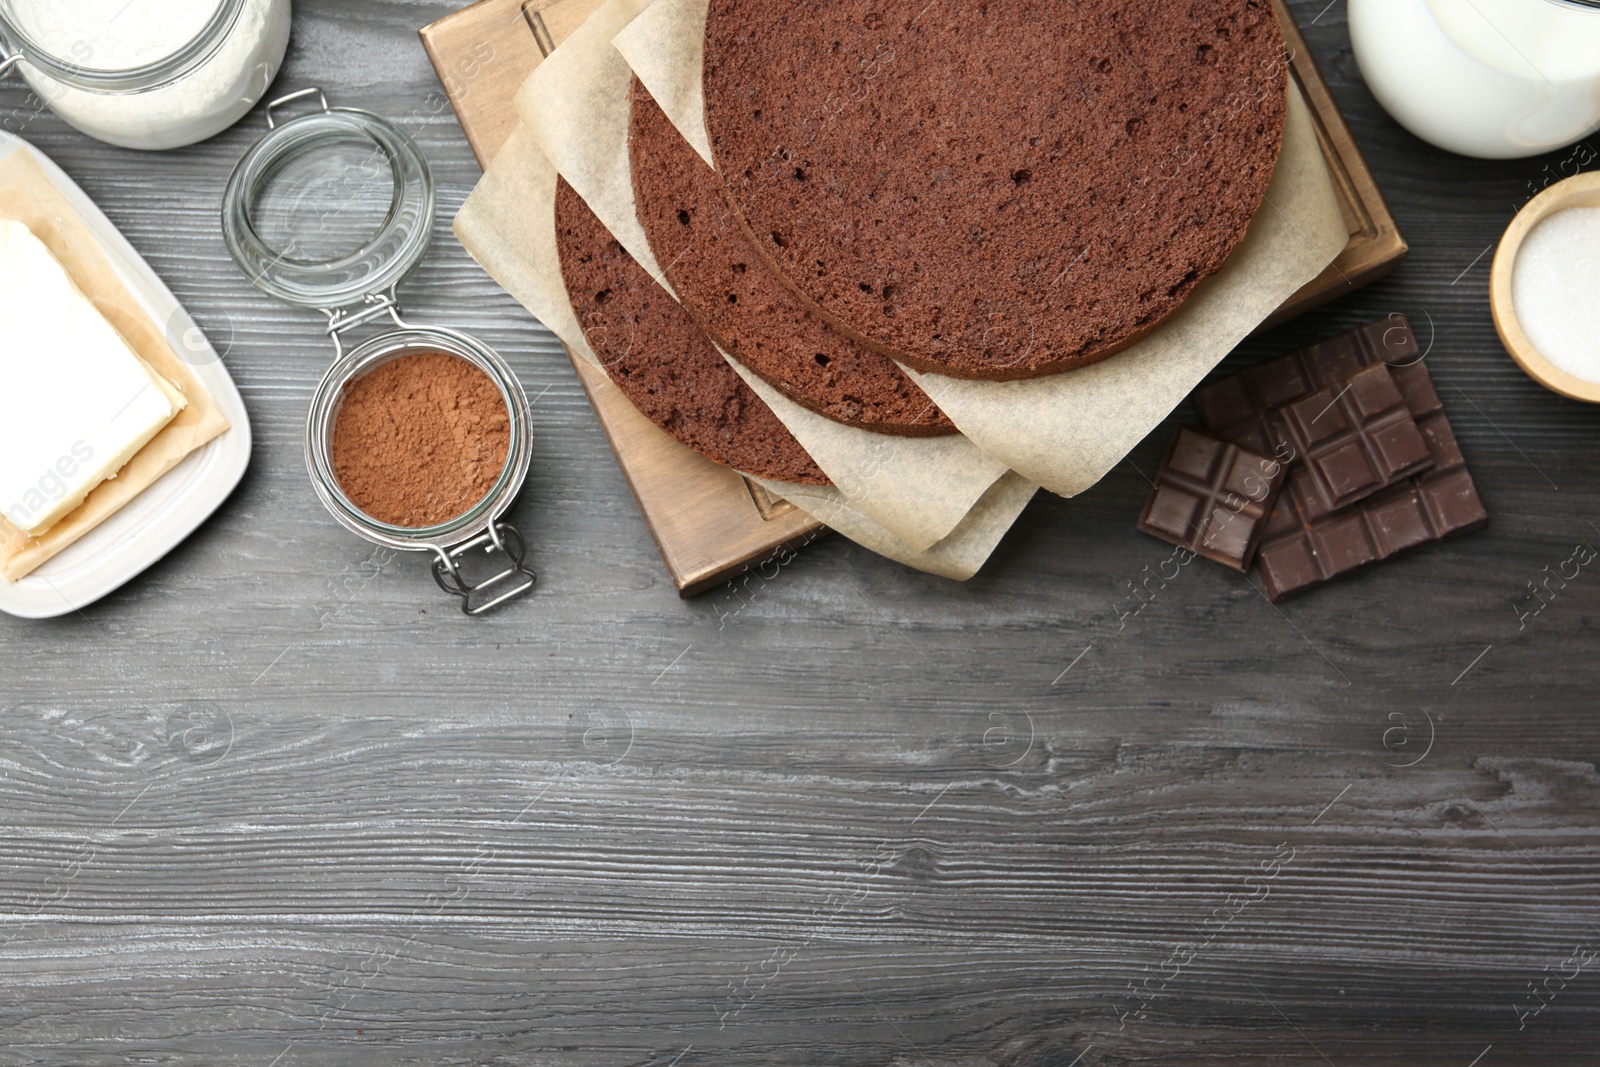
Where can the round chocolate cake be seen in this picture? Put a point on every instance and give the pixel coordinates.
(743, 307)
(661, 360)
(995, 190)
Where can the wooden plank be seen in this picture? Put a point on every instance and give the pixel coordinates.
(484, 52)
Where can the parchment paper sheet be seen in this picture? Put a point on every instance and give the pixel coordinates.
(917, 488)
(1067, 431)
(27, 196)
(508, 224)
(573, 108)
(958, 556)
(662, 45)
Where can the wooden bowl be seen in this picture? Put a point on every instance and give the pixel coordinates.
(1581, 190)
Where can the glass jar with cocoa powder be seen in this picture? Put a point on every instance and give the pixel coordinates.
(418, 437)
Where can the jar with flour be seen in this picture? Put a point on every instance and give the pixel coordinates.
(147, 74)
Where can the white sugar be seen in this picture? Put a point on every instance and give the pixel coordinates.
(1555, 287)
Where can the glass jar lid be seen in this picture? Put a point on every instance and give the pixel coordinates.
(329, 208)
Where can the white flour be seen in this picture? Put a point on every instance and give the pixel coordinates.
(121, 35)
(112, 34)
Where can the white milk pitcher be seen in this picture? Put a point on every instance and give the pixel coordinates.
(1495, 79)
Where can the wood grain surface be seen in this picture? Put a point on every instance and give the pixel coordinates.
(277, 802)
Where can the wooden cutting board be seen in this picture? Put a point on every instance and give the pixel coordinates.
(710, 523)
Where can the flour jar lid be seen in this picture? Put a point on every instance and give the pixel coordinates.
(331, 209)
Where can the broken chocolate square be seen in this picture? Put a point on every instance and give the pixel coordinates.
(1212, 498)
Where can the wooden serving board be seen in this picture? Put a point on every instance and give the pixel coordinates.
(710, 523)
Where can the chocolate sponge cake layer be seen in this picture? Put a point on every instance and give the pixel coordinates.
(662, 361)
(995, 190)
(743, 307)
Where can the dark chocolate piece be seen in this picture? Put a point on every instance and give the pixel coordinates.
(1306, 544)
(1356, 438)
(1212, 498)
(1243, 408)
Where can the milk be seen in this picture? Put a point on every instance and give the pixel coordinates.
(1496, 79)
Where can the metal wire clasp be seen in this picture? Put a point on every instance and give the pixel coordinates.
(507, 585)
(272, 121)
(376, 306)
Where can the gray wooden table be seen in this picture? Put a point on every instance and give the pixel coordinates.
(277, 802)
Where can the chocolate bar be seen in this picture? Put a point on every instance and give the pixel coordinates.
(1356, 438)
(1212, 498)
(1245, 408)
(1306, 544)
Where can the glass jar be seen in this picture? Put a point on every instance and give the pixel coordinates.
(147, 74)
(477, 528)
(332, 211)
(1494, 79)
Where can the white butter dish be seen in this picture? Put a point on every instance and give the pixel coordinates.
(158, 519)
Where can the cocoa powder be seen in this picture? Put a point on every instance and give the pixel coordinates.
(420, 439)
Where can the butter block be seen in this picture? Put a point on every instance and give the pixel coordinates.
(77, 403)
